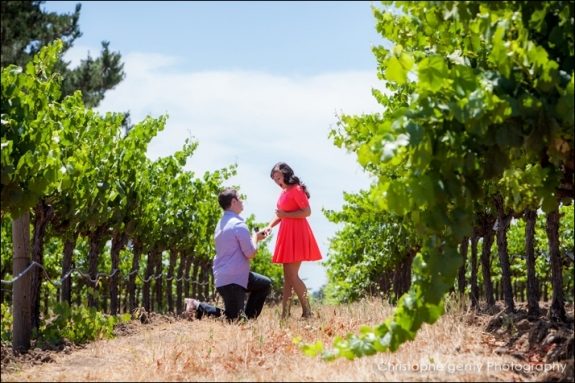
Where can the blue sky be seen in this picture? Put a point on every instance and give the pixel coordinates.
(254, 83)
(288, 38)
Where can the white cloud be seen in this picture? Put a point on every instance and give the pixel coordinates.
(254, 119)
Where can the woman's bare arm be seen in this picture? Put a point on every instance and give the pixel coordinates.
(301, 213)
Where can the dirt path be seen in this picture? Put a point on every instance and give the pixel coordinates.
(465, 347)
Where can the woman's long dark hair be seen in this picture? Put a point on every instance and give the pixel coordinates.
(289, 177)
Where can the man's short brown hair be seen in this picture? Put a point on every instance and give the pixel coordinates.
(226, 196)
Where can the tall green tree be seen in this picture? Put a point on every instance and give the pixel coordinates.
(27, 27)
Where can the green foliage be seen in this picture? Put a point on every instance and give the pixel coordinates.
(30, 154)
(78, 324)
(6, 245)
(6, 325)
(371, 243)
(567, 230)
(516, 247)
(475, 91)
(567, 245)
(96, 175)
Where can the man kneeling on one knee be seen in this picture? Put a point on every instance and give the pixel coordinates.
(235, 246)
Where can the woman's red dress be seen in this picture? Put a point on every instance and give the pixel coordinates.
(295, 240)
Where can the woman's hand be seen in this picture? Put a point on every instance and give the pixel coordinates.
(281, 213)
(261, 234)
(301, 213)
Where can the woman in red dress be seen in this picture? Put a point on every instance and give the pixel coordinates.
(295, 240)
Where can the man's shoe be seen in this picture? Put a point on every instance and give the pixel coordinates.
(191, 306)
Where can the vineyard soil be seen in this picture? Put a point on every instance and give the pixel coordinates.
(464, 345)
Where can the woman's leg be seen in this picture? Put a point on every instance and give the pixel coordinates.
(291, 271)
(287, 296)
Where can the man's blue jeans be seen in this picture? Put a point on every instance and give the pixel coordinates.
(234, 296)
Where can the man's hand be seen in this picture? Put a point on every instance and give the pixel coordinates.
(260, 235)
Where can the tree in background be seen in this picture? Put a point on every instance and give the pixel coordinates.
(26, 28)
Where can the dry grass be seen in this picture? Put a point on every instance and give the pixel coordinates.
(263, 350)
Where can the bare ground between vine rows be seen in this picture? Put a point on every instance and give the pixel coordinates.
(464, 345)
